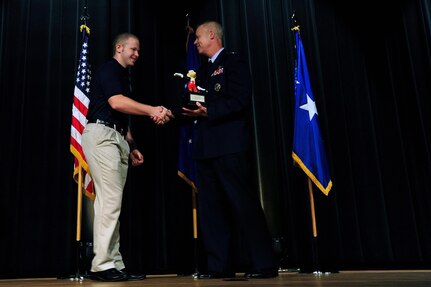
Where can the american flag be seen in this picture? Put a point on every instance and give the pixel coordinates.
(79, 115)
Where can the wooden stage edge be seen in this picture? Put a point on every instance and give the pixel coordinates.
(369, 278)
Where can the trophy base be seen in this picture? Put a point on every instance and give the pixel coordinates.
(190, 100)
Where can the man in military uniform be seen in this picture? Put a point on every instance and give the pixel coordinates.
(222, 149)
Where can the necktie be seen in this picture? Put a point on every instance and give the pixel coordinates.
(208, 70)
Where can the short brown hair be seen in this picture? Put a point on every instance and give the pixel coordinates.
(121, 39)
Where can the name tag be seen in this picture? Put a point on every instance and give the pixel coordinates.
(197, 98)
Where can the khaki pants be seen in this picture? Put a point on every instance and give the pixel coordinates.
(107, 154)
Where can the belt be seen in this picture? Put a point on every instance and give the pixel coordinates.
(116, 127)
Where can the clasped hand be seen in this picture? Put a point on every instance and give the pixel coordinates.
(161, 115)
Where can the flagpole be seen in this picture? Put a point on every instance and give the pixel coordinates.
(192, 66)
(195, 231)
(79, 205)
(78, 275)
(314, 228)
(308, 150)
(79, 246)
(84, 17)
(194, 191)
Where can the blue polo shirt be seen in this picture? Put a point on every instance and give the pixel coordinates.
(111, 79)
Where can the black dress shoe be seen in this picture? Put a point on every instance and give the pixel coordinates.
(261, 274)
(133, 277)
(109, 275)
(215, 275)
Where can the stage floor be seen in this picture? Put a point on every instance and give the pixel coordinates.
(393, 278)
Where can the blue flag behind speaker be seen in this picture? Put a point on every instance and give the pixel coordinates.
(308, 148)
(186, 165)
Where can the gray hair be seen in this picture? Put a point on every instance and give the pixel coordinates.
(215, 27)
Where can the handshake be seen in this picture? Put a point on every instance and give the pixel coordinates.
(161, 115)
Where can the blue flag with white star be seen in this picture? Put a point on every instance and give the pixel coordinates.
(186, 165)
(308, 148)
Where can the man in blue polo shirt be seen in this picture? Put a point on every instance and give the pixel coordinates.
(107, 144)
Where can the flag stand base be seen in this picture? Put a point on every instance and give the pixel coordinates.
(84, 256)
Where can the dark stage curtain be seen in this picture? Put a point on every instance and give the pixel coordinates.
(370, 67)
